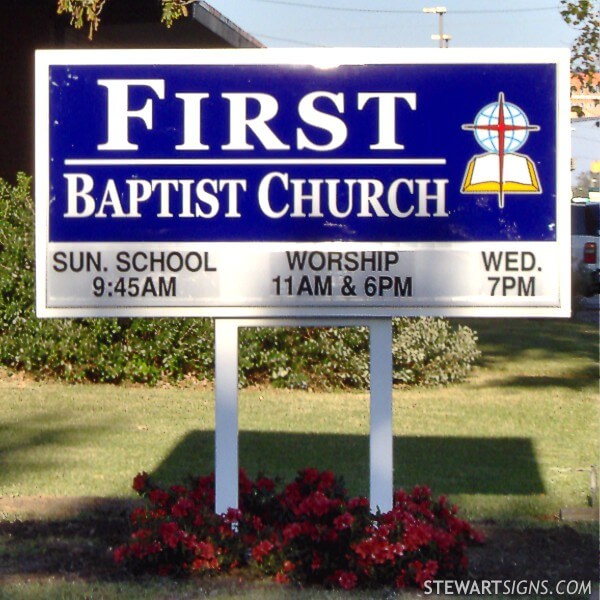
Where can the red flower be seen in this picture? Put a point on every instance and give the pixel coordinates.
(233, 515)
(317, 504)
(375, 549)
(205, 564)
(244, 483)
(344, 521)
(358, 503)
(136, 550)
(329, 535)
(327, 480)
(347, 580)
(138, 515)
(140, 481)
(400, 497)
(402, 580)
(226, 531)
(170, 534)
(298, 533)
(205, 550)
(417, 536)
(398, 549)
(282, 578)
(309, 530)
(291, 531)
(292, 495)
(443, 540)
(309, 476)
(120, 553)
(159, 497)
(261, 550)
(288, 566)
(182, 507)
(317, 562)
(257, 524)
(421, 493)
(265, 484)
(158, 514)
(142, 534)
(424, 573)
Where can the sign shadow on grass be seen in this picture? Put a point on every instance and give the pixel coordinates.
(449, 465)
(36, 445)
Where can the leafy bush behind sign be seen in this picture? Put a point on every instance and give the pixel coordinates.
(114, 350)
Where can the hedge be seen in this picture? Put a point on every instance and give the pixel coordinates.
(115, 350)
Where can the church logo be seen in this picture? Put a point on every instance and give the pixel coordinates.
(501, 128)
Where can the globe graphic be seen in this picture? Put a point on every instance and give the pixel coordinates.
(489, 139)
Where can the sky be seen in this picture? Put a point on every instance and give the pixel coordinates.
(399, 23)
(402, 23)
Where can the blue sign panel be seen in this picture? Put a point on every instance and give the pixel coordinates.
(360, 152)
(204, 148)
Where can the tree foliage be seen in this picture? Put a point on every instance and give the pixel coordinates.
(583, 183)
(584, 16)
(82, 12)
(88, 12)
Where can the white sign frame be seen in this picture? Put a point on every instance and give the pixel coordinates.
(55, 300)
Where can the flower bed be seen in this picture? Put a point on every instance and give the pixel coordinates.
(310, 532)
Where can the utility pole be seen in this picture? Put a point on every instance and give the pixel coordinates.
(439, 10)
(446, 38)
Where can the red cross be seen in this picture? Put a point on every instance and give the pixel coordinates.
(501, 127)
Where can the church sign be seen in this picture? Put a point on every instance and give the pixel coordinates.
(274, 183)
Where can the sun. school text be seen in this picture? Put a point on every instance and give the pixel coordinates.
(249, 183)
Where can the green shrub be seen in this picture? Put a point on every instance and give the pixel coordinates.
(426, 351)
(430, 352)
(99, 350)
(305, 357)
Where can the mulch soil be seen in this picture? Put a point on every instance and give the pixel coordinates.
(74, 540)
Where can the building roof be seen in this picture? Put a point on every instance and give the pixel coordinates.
(220, 25)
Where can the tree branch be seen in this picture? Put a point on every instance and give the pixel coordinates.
(87, 12)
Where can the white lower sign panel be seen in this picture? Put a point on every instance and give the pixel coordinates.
(300, 280)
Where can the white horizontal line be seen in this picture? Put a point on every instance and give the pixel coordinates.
(73, 162)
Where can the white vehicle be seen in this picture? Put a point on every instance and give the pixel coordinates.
(585, 246)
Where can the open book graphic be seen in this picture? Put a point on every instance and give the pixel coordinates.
(518, 174)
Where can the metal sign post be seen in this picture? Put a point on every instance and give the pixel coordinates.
(381, 461)
(226, 410)
(226, 414)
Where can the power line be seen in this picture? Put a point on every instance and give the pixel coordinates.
(504, 10)
(281, 39)
(340, 9)
(404, 12)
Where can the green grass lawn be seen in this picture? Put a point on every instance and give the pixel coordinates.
(514, 442)
(153, 589)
